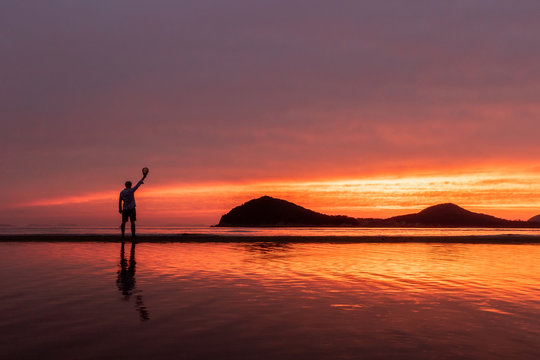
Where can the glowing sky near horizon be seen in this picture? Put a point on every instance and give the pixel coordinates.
(359, 108)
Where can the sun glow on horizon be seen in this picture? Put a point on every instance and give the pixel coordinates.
(505, 194)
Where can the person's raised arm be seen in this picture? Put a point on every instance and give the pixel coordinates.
(139, 183)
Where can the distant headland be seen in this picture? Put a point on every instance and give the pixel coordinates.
(267, 211)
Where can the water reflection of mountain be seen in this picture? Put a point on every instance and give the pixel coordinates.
(268, 247)
(126, 281)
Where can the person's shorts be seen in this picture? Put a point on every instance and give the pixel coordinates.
(129, 214)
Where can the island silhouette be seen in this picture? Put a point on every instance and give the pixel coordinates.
(267, 211)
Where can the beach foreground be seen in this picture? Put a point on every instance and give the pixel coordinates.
(173, 238)
(267, 300)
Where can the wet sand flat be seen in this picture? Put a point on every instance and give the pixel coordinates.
(267, 300)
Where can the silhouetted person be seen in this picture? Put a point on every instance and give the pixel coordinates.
(127, 197)
(126, 281)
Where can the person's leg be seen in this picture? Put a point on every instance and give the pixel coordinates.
(133, 218)
(125, 217)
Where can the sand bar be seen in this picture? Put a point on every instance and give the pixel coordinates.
(469, 239)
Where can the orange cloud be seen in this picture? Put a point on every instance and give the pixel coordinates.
(501, 193)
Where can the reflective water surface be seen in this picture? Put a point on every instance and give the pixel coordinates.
(269, 301)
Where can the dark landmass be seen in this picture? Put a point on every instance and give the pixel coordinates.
(198, 238)
(451, 215)
(534, 219)
(270, 212)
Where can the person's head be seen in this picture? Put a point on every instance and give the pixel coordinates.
(128, 184)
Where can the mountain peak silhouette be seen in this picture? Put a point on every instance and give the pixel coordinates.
(269, 211)
(449, 214)
(445, 210)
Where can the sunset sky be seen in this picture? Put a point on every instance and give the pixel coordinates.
(363, 108)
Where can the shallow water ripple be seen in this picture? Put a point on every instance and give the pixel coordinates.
(269, 301)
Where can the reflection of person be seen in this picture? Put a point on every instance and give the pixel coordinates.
(126, 275)
(126, 281)
(127, 199)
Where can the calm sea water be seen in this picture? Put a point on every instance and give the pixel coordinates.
(269, 301)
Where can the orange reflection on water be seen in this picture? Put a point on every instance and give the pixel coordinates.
(390, 301)
(406, 271)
